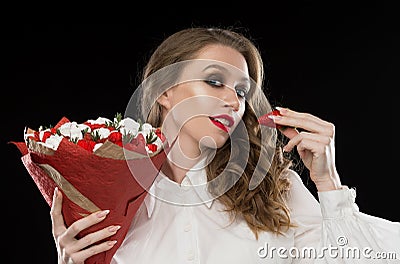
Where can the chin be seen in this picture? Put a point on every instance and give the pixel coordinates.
(213, 142)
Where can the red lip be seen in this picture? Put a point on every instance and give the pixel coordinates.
(220, 125)
(224, 116)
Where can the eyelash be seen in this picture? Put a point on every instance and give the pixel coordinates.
(215, 83)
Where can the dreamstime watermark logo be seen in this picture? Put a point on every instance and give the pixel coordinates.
(339, 251)
(213, 82)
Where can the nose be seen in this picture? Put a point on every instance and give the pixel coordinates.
(231, 99)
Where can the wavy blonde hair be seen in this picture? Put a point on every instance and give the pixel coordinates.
(263, 208)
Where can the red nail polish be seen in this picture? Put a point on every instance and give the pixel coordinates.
(267, 121)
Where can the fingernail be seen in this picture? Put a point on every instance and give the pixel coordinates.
(55, 192)
(280, 109)
(114, 228)
(274, 117)
(111, 243)
(101, 214)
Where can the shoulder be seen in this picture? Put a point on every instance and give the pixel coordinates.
(293, 176)
(299, 198)
(296, 182)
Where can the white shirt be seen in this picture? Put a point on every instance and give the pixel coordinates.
(163, 232)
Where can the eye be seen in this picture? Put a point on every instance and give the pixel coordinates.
(241, 92)
(214, 82)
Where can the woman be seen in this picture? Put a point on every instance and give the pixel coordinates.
(255, 208)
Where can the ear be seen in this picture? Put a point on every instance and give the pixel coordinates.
(165, 100)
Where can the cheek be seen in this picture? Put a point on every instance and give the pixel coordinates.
(197, 126)
(239, 114)
(242, 107)
(190, 108)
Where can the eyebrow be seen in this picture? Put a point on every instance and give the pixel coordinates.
(223, 69)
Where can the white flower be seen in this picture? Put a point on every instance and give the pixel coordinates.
(102, 132)
(158, 142)
(129, 126)
(52, 142)
(147, 128)
(99, 120)
(73, 130)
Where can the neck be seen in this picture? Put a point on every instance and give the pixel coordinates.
(181, 158)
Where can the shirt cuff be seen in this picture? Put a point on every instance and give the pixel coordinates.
(338, 203)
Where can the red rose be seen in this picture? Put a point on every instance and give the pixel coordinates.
(159, 134)
(116, 138)
(46, 135)
(86, 144)
(152, 147)
(94, 126)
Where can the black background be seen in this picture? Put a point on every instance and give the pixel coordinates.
(335, 61)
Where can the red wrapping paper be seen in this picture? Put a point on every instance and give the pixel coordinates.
(91, 182)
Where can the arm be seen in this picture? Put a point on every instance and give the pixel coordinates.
(334, 226)
(333, 223)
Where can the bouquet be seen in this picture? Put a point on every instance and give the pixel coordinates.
(98, 164)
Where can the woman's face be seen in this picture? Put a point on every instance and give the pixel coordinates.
(209, 102)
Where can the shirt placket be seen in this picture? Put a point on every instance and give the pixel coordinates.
(188, 232)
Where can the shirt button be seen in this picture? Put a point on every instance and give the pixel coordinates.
(187, 228)
(190, 255)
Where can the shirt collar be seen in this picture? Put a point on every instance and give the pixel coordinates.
(192, 190)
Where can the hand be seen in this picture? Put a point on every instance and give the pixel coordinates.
(315, 145)
(73, 250)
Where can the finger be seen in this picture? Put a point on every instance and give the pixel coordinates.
(305, 121)
(82, 255)
(310, 145)
(58, 225)
(309, 137)
(289, 132)
(95, 237)
(287, 122)
(86, 222)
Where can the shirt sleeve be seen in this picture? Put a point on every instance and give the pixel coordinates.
(333, 230)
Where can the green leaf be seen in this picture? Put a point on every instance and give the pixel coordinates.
(140, 124)
(151, 137)
(95, 135)
(127, 138)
